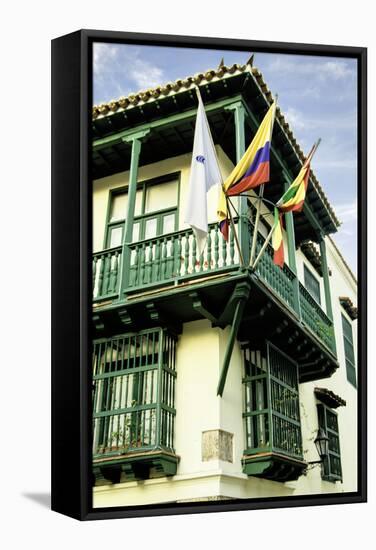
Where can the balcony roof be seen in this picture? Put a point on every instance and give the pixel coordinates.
(178, 97)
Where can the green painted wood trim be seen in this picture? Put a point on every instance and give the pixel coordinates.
(256, 468)
(230, 344)
(325, 273)
(168, 121)
(128, 230)
(292, 255)
(159, 388)
(164, 463)
(244, 236)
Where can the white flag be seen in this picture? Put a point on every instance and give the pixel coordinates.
(205, 173)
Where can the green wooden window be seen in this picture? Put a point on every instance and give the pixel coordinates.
(156, 211)
(348, 344)
(312, 284)
(328, 421)
(271, 403)
(134, 393)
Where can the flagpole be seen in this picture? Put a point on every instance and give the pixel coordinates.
(260, 197)
(267, 240)
(257, 221)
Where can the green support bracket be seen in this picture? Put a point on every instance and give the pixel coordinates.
(241, 292)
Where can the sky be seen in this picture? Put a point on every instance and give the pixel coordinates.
(317, 95)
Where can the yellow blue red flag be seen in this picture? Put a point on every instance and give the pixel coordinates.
(293, 199)
(252, 170)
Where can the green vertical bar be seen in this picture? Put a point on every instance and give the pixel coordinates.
(159, 388)
(135, 140)
(292, 254)
(269, 400)
(328, 297)
(325, 272)
(244, 237)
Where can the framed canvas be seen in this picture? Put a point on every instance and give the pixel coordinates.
(209, 232)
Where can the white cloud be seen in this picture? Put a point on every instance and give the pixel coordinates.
(103, 54)
(347, 212)
(336, 69)
(122, 70)
(339, 163)
(144, 74)
(333, 69)
(300, 120)
(295, 118)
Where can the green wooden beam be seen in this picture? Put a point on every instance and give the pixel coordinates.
(244, 238)
(241, 292)
(230, 345)
(172, 120)
(325, 274)
(135, 139)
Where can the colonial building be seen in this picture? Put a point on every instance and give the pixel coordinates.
(168, 424)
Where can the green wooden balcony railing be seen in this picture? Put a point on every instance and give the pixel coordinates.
(279, 280)
(172, 258)
(134, 393)
(315, 318)
(106, 270)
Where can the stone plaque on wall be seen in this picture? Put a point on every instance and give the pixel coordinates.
(217, 445)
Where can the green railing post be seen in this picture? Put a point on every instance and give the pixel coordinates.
(328, 297)
(325, 273)
(244, 236)
(292, 254)
(135, 140)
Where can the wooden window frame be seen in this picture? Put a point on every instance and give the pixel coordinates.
(308, 271)
(350, 369)
(326, 470)
(143, 185)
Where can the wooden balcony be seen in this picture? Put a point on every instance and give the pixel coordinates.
(164, 281)
(134, 406)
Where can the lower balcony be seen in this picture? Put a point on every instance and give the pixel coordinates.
(133, 406)
(272, 415)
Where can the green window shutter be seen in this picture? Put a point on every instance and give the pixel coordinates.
(349, 351)
(328, 421)
(134, 393)
(271, 403)
(312, 284)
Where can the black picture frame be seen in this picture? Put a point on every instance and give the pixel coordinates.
(71, 273)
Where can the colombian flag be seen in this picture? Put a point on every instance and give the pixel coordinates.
(293, 199)
(251, 171)
(277, 240)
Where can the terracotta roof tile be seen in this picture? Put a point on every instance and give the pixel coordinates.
(329, 398)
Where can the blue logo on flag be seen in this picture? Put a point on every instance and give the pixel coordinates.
(200, 158)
